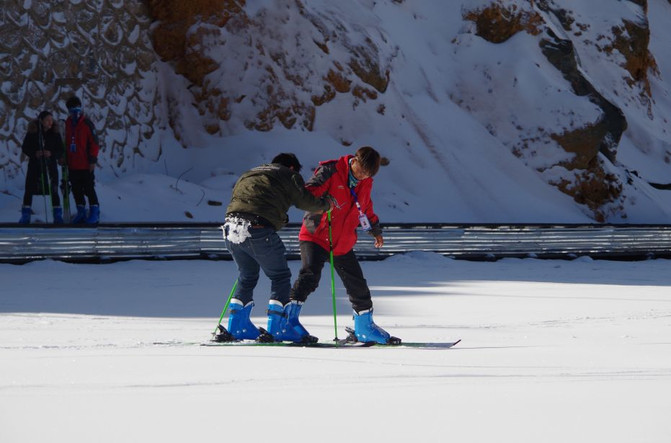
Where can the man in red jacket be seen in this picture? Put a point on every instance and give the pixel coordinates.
(348, 182)
(81, 142)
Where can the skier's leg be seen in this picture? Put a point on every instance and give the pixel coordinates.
(53, 180)
(269, 252)
(349, 270)
(350, 273)
(55, 197)
(313, 258)
(90, 191)
(77, 189)
(239, 323)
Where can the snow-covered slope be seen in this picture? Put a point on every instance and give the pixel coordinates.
(551, 351)
(490, 111)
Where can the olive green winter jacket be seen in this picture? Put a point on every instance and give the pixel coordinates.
(269, 191)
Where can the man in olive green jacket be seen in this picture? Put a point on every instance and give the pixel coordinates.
(258, 209)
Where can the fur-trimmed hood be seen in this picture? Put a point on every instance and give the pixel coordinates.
(34, 126)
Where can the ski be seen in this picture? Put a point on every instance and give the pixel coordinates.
(339, 344)
(395, 342)
(225, 338)
(319, 344)
(421, 345)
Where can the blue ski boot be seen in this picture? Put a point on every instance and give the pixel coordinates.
(58, 215)
(278, 325)
(367, 331)
(94, 215)
(25, 215)
(292, 310)
(239, 324)
(81, 215)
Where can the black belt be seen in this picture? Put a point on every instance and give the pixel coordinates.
(256, 221)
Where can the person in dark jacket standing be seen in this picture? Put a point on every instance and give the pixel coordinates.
(348, 181)
(82, 148)
(258, 209)
(44, 148)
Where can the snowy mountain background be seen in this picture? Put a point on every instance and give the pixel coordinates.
(489, 111)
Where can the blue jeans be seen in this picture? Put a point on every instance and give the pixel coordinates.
(263, 250)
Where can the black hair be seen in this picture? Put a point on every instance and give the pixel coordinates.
(73, 102)
(289, 160)
(369, 160)
(42, 115)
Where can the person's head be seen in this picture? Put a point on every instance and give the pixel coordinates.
(46, 120)
(289, 160)
(366, 163)
(74, 106)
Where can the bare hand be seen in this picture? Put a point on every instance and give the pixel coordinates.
(379, 241)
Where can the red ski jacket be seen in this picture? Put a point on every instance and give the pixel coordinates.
(332, 177)
(81, 143)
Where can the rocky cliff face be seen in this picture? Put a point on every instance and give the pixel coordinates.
(100, 50)
(144, 67)
(241, 65)
(625, 42)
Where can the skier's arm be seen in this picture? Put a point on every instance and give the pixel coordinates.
(367, 208)
(304, 199)
(319, 183)
(92, 144)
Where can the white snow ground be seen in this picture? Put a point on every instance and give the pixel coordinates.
(552, 351)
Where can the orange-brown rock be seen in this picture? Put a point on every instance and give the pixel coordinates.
(594, 188)
(632, 40)
(497, 23)
(172, 39)
(583, 142)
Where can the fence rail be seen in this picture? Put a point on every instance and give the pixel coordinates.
(109, 242)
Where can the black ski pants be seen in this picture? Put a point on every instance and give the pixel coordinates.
(347, 266)
(36, 169)
(82, 182)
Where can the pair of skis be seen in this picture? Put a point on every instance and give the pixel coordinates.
(221, 339)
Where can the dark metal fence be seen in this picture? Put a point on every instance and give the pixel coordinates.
(109, 242)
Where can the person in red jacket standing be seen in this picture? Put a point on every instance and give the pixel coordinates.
(81, 142)
(347, 182)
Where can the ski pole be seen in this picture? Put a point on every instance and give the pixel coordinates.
(66, 193)
(335, 317)
(44, 173)
(230, 296)
(66, 181)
